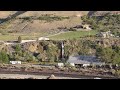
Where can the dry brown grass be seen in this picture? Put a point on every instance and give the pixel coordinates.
(38, 28)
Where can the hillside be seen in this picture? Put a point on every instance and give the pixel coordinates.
(57, 26)
(102, 13)
(33, 24)
(38, 22)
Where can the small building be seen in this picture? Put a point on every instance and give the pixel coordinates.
(15, 62)
(84, 60)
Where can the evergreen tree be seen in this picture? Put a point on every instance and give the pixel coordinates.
(19, 39)
(4, 57)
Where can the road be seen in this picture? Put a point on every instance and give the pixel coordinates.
(57, 74)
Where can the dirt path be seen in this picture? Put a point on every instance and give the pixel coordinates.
(22, 76)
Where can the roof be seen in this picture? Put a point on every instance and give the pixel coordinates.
(82, 59)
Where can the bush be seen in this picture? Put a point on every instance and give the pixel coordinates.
(4, 57)
(19, 39)
(17, 48)
(49, 18)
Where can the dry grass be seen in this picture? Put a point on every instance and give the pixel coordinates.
(37, 28)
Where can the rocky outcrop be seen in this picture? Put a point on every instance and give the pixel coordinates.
(52, 77)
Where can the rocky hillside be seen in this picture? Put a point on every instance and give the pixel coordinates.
(102, 13)
(38, 21)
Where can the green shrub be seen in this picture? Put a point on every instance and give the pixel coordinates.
(4, 57)
(17, 48)
(19, 39)
(50, 18)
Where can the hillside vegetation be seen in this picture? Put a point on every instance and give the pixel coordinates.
(74, 35)
(31, 25)
(37, 23)
(104, 23)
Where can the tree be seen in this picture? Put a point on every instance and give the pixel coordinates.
(4, 57)
(19, 39)
(109, 55)
(104, 54)
(17, 48)
(115, 58)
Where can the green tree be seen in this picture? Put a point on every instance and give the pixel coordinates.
(104, 54)
(4, 57)
(17, 48)
(115, 58)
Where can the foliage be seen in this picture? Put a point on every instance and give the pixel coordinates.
(50, 51)
(109, 54)
(17, 48)
(105, 23)
(50, 18)
(19, 39)
(4, 57)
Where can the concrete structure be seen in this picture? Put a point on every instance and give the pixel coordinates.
(24, 41)
(15, 62)
(43, 38)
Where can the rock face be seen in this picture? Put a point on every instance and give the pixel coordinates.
(52, 77)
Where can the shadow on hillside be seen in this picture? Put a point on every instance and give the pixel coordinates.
(12, 16)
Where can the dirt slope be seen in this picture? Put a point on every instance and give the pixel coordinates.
(41, 26)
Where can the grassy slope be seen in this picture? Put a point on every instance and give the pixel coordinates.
(24, 36)
(67, 35)
(72, 35)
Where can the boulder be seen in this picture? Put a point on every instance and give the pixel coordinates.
(52, 77)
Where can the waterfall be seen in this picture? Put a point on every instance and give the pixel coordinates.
(62, 45)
